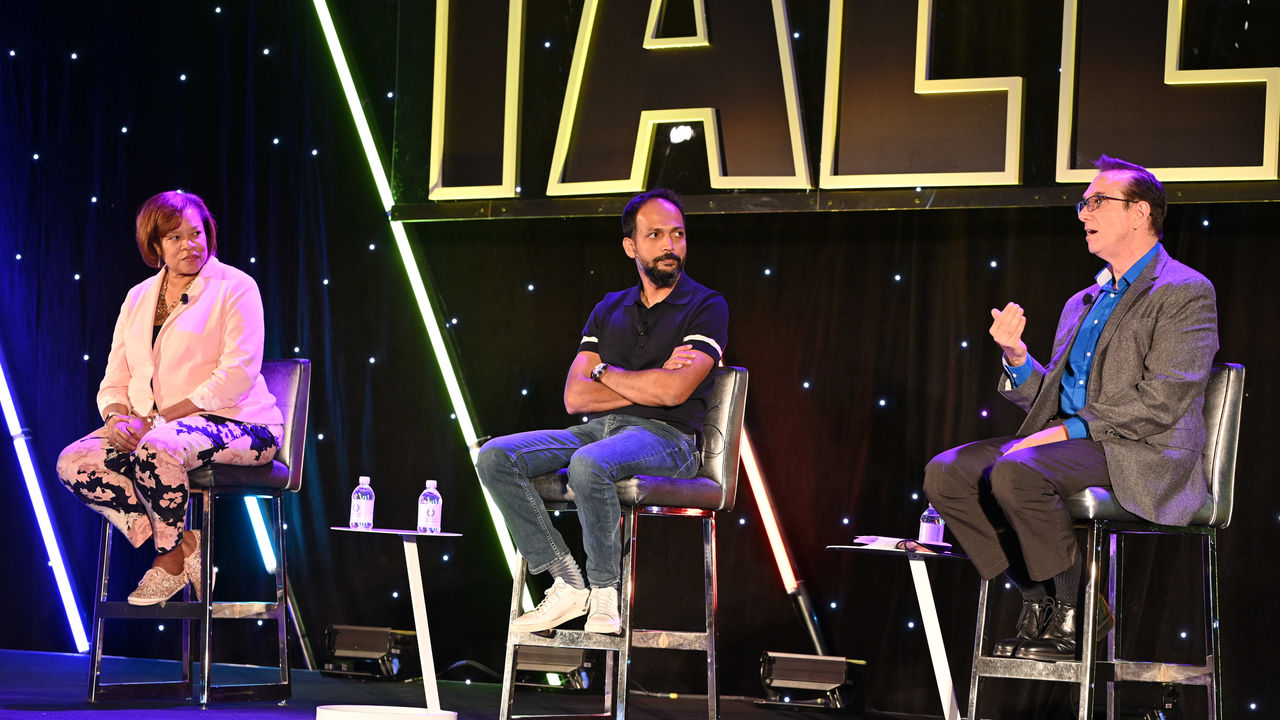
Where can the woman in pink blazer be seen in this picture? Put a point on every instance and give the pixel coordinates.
(181, 390)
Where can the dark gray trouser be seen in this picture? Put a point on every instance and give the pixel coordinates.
(977, 488)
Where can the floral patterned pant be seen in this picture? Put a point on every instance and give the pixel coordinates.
(144, 493)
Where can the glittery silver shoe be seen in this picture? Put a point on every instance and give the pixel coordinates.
(191, 565)
(157, 586)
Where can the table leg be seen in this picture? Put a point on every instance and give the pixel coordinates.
(379, 712)
(933, 633)
(420, 623)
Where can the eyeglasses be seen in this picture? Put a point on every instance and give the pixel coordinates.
(1093, 202)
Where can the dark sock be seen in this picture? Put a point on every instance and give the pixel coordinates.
(1066, 584)
(1030, 589)
(566, 568)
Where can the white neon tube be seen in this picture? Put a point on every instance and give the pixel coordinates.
(23, 450)
(260, 533)
(764, 503)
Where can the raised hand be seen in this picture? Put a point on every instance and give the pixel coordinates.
(1006, 329)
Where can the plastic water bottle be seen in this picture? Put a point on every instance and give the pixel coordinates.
(931, 526)
(362, 505)
(429, 506)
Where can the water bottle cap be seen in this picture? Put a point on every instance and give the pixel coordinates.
(431, 483)
(364, 479)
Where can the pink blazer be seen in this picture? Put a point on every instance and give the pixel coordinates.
(209, 350)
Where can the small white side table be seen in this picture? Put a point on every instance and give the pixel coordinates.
(432, 710)
(928, 616)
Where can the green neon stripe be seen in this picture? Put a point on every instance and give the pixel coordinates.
(438, 346)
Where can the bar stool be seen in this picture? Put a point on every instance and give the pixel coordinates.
(713, 489)
(1106, 524)
(290, 382)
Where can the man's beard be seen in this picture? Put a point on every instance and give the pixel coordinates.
(664, 278)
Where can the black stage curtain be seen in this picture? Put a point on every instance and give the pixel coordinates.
(884, 315)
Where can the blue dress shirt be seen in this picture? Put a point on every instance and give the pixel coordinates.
(1075, 380)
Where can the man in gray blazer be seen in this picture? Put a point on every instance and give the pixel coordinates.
(1119, 405)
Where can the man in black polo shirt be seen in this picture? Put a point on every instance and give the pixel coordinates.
(642, 375)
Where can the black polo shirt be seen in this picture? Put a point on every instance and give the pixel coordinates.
(623, 332)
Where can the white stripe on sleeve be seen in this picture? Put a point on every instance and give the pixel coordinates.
(707, 340)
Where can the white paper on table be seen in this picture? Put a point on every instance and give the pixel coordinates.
(880, 542)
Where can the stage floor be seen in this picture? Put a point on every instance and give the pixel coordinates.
(39, 684)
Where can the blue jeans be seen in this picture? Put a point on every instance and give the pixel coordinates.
(597, 453)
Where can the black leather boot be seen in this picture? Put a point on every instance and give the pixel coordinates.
(1030, 622)
(1059, 641)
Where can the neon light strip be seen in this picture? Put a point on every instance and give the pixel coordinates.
(780, 555)
(260, 533)
(438, 346)
(20, 446)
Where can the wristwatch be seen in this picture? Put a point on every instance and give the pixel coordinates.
(157, 420)
(598, 371)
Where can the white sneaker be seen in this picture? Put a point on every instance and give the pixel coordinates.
(602, 613)
(561, 603)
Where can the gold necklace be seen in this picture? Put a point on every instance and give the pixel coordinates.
(163, 306)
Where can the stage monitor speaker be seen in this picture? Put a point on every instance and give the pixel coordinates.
(573, 663)
(815, 681)
(369, 652)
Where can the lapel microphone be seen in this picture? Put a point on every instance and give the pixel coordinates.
(183, 299)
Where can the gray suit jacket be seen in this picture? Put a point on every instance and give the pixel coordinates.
(1145, 397)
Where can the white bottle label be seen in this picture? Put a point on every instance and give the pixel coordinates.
(428, 517)
(361, 513)
(931, 532)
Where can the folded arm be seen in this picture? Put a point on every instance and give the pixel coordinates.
(667, 386)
